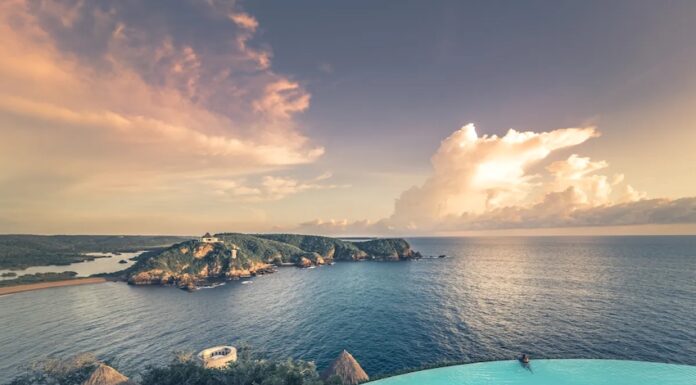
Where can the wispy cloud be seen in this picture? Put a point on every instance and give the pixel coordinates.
(268, 187)
(111, 96)
(144, 86)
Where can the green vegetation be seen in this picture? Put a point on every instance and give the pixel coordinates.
(262, 249)
(38, 277)
(331, 248)
(342, 250)
(22, 251)
(247, 370)
(190, 257)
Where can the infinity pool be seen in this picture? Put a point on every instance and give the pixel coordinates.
(551, 372)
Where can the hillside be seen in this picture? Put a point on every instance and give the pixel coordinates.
(22, 251)
(327, 248)
(194, 262)
(343, 250)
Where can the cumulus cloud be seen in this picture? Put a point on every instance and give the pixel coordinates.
(476, 174)
(490, 182)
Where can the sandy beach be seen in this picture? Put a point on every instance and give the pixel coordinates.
(46, 285)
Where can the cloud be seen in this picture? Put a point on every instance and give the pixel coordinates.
(244, 20)
(490, 182)
(125, 108)
(268, 188)
(143, 84)
(474, 174)
(343, 226)
(560, 210)
(102, 90)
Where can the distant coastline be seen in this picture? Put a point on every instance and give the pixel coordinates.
(45, 285)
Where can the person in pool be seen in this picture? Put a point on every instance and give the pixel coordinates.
(524, 361)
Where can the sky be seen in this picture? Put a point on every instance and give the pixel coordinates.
(348, 118)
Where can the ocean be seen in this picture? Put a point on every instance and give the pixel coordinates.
(490, 299)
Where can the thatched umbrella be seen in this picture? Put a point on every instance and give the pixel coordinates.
(347, 369)
(106, 375)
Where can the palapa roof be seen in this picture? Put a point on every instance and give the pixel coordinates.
(106, 375)
(347, 369)
(207, 235)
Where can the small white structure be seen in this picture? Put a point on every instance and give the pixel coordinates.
(234, 248)
(217, 357)
(207, 238)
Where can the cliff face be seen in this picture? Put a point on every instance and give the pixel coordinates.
(192, 263)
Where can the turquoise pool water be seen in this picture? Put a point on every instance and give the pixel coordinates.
(551, 372)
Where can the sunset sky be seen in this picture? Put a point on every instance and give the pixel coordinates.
(348, 118)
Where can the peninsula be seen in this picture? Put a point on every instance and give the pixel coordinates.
(229, 256)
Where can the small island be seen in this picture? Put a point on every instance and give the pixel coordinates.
(229, 256)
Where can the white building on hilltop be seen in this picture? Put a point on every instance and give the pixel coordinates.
(207, 238)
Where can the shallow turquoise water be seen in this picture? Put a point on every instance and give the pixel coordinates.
(551, 372)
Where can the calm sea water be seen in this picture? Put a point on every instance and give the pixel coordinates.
(596, 297)
(106, 263)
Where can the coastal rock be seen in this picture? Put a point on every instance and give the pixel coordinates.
(255, 268)
(151, 277)
(347, 369)
(275, 260)
(202, 250)
(359, 256)
(303, 262)
(185, 281)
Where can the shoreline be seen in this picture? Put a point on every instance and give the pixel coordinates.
(46, 285)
